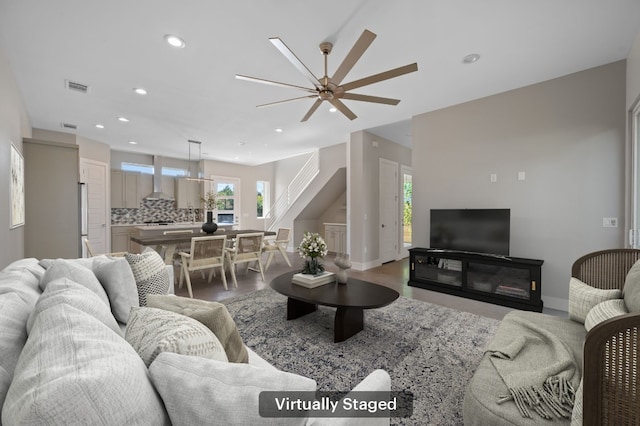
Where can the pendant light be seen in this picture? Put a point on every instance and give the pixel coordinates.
(200, 177)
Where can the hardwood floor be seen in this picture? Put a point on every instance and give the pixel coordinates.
(394, 275)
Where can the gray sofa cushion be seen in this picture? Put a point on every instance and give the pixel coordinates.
(13, 315)
(226, 392)
(63, 290)
(62, 373)
(61, 268)
(631, 290)
(118, 281)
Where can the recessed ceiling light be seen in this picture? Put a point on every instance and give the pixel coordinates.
(174, 41)
(140, 91)
(100, 126)
(123, 119)
(333, 109)
(470, 59)
(278, 130)
(242, 143)
(133, 142)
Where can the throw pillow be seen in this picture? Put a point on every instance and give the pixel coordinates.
(226, 392)
(150, 274)
(583, 297)
(212, 314)
(152, 331)
(75, 370)
(631, 288)
(62, 268)
(603, 311)
(116, 277)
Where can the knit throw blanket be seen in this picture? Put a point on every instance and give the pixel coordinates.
(538, 369)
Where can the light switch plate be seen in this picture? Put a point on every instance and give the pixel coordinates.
(609, 222)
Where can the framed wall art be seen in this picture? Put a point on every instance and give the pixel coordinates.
(17, 188)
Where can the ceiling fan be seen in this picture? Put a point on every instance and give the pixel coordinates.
(331, 89)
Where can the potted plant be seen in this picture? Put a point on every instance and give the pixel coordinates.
(311, 248)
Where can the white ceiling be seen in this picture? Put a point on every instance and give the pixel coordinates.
(114, 46)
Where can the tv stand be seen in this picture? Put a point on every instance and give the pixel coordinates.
(493, 278)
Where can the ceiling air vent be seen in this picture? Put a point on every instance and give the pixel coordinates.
(69, 126)
(78, 87)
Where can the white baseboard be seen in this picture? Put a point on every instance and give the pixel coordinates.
(556, 303)
(363, 266)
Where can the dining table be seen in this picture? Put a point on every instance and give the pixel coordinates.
(167, 244)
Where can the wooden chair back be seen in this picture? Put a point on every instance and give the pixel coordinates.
(207, 250)
(605, 269)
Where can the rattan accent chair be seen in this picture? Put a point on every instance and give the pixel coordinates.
(611, 373)
(247, 250)
(277, 245)
(205, 253)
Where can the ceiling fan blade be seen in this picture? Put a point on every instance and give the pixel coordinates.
(343, 108)
(273, 83)
(366, 98)
(396, 72)
(279, 44)
(313, 109)
(353, 56)
(286, 100)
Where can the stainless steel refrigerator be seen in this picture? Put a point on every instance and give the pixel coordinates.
(53, 200)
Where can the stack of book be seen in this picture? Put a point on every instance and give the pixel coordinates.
(311, 281)
(512, 291)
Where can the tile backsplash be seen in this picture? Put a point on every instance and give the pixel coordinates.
(155, 210)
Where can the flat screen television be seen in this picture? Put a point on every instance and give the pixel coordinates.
(471, 230)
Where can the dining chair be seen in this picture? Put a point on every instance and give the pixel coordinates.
(205, 253)
(277, 245)
(91, 254)
(247, 249)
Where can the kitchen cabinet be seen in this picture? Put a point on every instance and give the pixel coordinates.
(121, 239)
(124, 190)
(187, 193)
(335, 235)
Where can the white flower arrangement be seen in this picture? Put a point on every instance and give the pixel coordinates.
(312, 245)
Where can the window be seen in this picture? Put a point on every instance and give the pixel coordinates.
(135, 167)
(262, 206)
(171, 171)
(407, 186)
(227, 198)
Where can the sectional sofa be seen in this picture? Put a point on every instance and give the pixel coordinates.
(104, 341)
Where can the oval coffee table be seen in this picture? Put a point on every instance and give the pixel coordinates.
(350, 299)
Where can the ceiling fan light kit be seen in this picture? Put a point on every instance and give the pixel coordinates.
(328, 88)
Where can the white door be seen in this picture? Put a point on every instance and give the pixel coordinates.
(388, 210)
(94, 176)
(634, 234)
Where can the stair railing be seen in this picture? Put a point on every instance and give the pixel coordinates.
(296, 187)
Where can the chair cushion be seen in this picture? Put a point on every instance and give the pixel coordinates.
(583, 297)
(212, 314)
(631, 290)
(226, 392)
(117, 278)
(107, 383)
(150, 274)
(603, 311)
(151, 331)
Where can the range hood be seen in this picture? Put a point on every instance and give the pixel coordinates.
(157, 193)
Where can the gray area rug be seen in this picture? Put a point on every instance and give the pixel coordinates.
(429, 350)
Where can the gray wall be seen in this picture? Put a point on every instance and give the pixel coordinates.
(363, 205)
(14, 125)
(566, 134)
